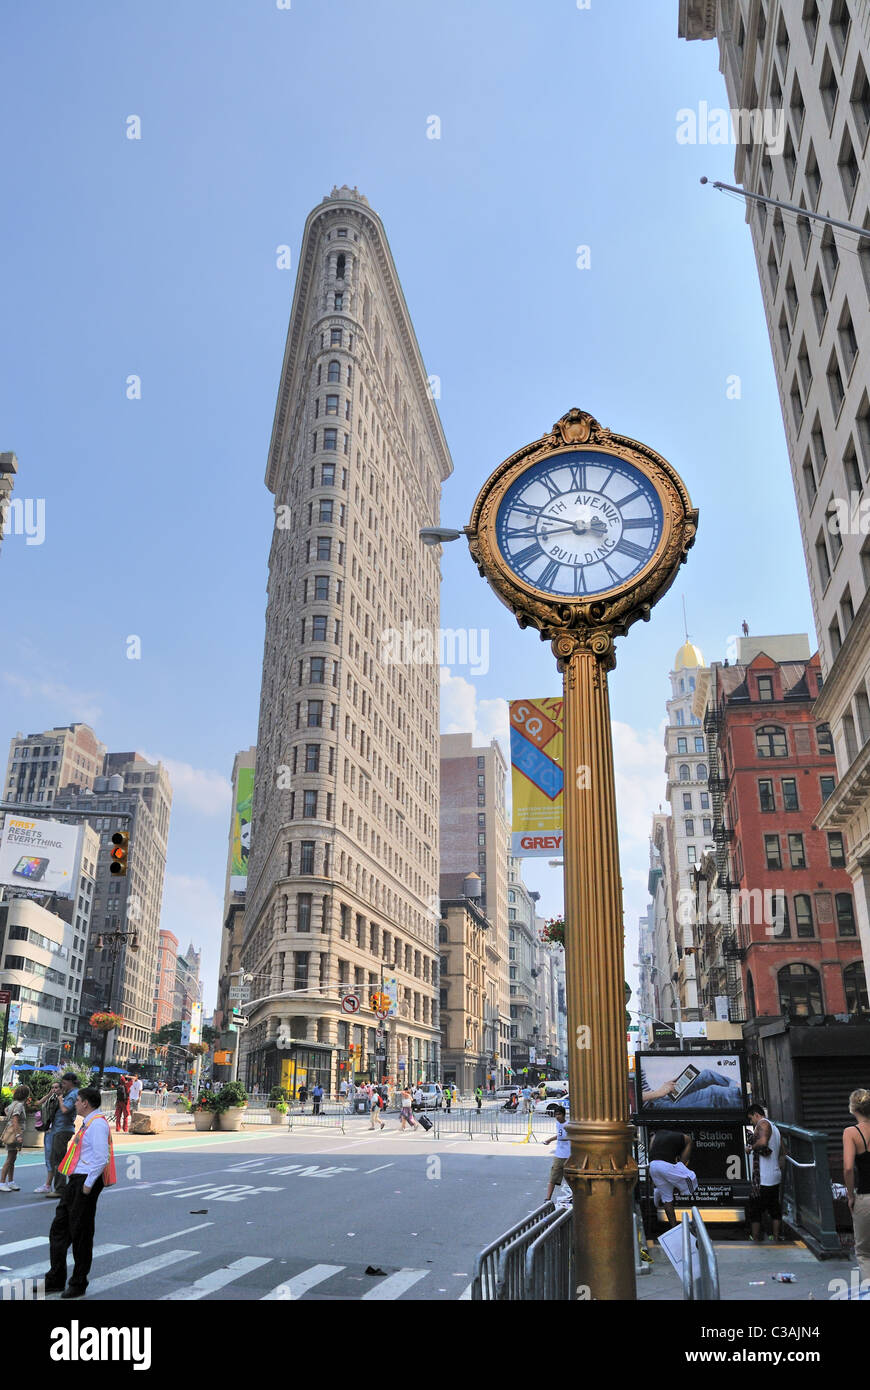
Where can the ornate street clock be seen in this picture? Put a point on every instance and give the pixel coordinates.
(582, 531)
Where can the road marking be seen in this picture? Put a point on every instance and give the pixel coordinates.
(175, 1234)
(379, 1170)
(210, 1283)
(210, 1192)
(466, 1292)
(34, 1271)
(396, 1285)
(23, 1245)
(138, 1271)
(296, 1287)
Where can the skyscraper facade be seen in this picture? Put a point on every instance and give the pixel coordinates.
(343, 869)
(804, 68)
(40, 764)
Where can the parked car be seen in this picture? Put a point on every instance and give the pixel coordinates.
(503, 1092)
(433, 1097)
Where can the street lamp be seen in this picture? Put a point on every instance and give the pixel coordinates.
(113, 941)
(579, 534)
(437, 535)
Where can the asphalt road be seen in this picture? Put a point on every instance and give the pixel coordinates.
(275, 1215)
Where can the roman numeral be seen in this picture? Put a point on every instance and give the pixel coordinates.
(638, 492)
(612, 572)
(513, 533)
(578, 476)
(525, 557)
(549, 485)
(611, 474)
(632, 523)
(548, 578)
(637, 552)
(579, 580)
(525, 509)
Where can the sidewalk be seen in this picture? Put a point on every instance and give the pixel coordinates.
(742, 1264)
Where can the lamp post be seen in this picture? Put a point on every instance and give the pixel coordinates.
(579, 533)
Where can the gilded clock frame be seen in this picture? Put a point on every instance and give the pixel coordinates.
(594, 621)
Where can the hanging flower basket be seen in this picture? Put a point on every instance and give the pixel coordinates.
(104, 1022)
(198, 1049)
(553, 932)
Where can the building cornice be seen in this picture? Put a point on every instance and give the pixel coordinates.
(697, 19)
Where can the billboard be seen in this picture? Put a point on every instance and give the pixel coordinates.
(536, 776)
(241, 839)
(39, 854)
(689, 1083)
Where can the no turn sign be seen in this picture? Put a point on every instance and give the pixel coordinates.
(351, 1003)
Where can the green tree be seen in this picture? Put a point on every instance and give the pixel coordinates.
(171, 1033)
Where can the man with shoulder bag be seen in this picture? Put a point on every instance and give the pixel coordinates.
(62, 1127)
(88, 1166)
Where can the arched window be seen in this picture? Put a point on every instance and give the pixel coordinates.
(701, 772)
(682, 684)
(771, 742)
(855, 985)
(339, 266)
(685, 774)
(442, 934)
(334, 371)
(750, 994)
(800, 991)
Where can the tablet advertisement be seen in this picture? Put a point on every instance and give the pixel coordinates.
(39, 854)
(689, 1083)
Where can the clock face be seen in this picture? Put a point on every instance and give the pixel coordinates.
(579, 524)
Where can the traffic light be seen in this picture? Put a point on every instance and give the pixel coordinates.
(66, 1047)
(118, 854)
(352, 1049)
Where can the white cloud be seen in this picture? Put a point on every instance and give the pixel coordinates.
(639, 761)
(73, 706)
(208, 793)
(462, 711)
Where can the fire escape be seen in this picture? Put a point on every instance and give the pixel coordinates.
(732, 948)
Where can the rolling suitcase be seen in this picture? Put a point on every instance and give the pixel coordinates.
(424, 1122)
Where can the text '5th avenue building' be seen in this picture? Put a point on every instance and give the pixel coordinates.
(342, 888)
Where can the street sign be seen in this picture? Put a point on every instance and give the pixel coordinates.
(5, 996)
(382, 1013)
(239, 993)
(351, 1003)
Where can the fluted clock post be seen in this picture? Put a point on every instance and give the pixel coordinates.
(579, 534)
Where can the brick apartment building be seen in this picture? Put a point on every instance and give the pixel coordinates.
(787, 912)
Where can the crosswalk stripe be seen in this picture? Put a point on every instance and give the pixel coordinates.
(466, 1292)
(34, 1271)
(138, 1271)
(218, 1278)
(23, 1245)
(301, 1283)
(396, 1284)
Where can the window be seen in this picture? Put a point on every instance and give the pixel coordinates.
(765, 794)
(835, 383)
(790, 794)
(803, 914)
(333, 373)
(324, 548)
(309, 804)
(861, 101)
(848, 166)
(327, 475)
(335, 337)
(765, 687)
(827, 785)
(824, 739)
(685, 774)
(800, 991)
(828, 89)
(848, 340)
(820, 303)
(330, 439)
(840, 22)
(772, 854)
(303, 915)
(687, 801)
(318, 670)
(707, 826)
(306, 857)
(689, 827)
(770, 741)
(312, 757)
(315, 714)
(811, 21)
(836, 850)
(701, 772)
(691, 854)
(699, 744)
(705, 801)
(318, 628)
(796, 854)
(855, 987)
(682, 745)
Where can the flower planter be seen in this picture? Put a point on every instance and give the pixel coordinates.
(277, 1117)
(33, 1137)
(230, 1119)
(203, 1119)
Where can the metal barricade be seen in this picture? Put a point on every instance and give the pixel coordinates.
(516, 1126)
(465, 1123)
(331, 1116)
(700, 1280)
(807, 1200)
(491, 1273)
(549, 1262)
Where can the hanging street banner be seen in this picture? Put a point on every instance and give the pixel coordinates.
(39, 854)
(241, 838)
(195, 1023)
(536, 777)
(391, 990)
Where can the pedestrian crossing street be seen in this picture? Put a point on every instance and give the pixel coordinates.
(327, 1281)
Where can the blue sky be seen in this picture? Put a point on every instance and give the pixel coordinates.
(157, 257)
